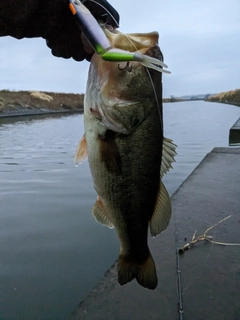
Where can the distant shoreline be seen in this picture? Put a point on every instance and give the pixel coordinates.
(233, 103)
(170, 100)
(37, 113)
(229, 97)
(33, 103)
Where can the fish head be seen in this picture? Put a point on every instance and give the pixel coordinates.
(120, 92)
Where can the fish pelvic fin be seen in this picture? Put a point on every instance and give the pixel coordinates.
(168, 154)
(162, 212)
(145, 272)
(100, 214)
(81, 151)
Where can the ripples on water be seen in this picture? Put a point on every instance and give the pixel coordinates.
(52, 250)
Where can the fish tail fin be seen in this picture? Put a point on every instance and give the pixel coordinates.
(144, 272)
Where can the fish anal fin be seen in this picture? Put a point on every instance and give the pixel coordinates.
(162, 212)
(109, 152)
(81, 151)
(100, 214)
(168, 154)
(145, 272)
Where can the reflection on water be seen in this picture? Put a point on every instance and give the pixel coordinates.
(34, 118)
(52, 250)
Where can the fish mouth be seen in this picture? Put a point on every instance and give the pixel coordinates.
(139, 43)
(132, 41)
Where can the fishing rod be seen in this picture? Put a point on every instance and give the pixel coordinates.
(179, 273)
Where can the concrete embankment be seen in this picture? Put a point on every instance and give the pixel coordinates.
(20, 112)
(204, 281)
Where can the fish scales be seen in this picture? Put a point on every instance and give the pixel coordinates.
(129, 197)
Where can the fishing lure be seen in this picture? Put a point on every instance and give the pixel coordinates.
(100, 43)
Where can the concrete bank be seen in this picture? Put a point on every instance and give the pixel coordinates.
(209, 273)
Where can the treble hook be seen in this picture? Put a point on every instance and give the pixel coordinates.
(128, 67)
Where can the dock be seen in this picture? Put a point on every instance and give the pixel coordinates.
(234, 134)
(203, 283)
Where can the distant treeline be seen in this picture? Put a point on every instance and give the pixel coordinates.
(172, 99)
(229, 97)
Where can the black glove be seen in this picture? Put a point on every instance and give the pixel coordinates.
(53, 21)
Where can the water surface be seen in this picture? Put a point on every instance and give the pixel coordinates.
(52, 250)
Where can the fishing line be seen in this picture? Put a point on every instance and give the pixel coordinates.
(100, 5)
(156, 98)
(178, 266)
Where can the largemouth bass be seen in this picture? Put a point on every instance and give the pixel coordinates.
(127, 153)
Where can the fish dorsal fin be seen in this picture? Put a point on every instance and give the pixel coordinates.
(162, 212)
(168, 154)
(81, 151)
(100, 214)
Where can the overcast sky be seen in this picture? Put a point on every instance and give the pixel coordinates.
(200, 41)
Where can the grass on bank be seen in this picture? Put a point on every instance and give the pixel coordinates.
(36, 99)
(231, 97)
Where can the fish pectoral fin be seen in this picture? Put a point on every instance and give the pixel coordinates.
(162, 212)
(168, 154)
(100, 214)
(81, 151)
